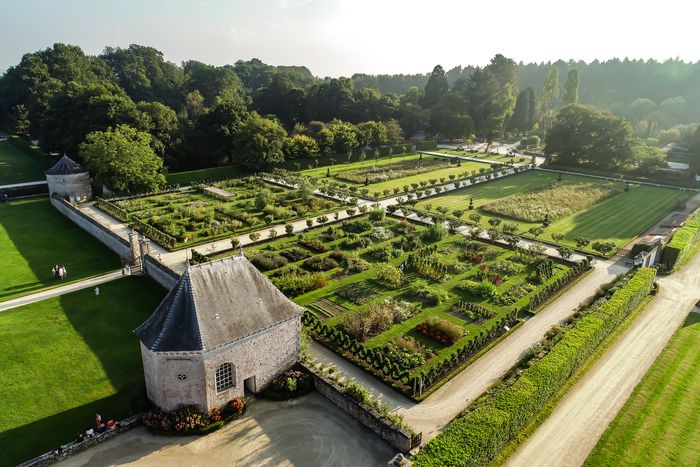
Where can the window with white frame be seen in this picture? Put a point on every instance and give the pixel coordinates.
(225, 377)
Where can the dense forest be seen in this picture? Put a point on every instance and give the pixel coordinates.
(196, 115)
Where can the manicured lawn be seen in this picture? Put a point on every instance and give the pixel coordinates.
(18, 167)
(67, 358)
(440, 173)
(660, 423)
(34, 236)
(213, 173)
(482, 155)
(617, 219)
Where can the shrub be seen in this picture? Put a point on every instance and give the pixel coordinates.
(435, 233)
(390, 275)
(268, 261)
(376, 215)
(440, 330)
(313, 245)
(293, 283)
(357, 392)
(483, 289)
(357, 225)
(380, 234)
(295, 254)
(363, 324)
(319, 263)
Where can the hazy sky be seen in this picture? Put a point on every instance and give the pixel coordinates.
(341, 37)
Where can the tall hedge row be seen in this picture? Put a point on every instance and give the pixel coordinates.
(475, 438)
(682, 241)
(427, 145)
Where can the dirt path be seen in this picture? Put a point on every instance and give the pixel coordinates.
(569, 434)
(435, 412)
(309, 431)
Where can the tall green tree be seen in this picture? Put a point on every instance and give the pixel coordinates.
(436, 87)
(519, 119)
(549, 95)
(531, 108)
(122, 159)
(258, 142)
(300, 147)
(450, 117)
(161, 122)
(491, 97)
(570, 88)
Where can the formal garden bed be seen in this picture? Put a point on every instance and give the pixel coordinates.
(291, 384)
(408, 303)
(187, 421)
(588, 214)
(488, 424)
(180, 219)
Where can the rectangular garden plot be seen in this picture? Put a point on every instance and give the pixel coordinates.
(200, 215)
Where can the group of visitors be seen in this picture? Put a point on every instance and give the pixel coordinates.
(59, 272)
(100, 427)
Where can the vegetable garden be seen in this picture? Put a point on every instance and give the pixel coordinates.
(407, 303)
(206, 213)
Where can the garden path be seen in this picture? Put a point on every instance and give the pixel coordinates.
(569, 434)
(305, 431)
(432, 414)
(56, 291)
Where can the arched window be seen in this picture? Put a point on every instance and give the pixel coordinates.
(225, 377)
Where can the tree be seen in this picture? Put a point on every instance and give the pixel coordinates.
(212, 82)
(393, 132)
(494, 222)
(344, 136)
(531, 108)
(371, 133)
(582, 242)
(123, 159)
(535, 231)
(435, 88)
(450, 117)
(300, 147)
(571, 88)
(519, 119)
(603, 248)
(557, 237)
(161, 122)
(258, 142)
(565, 252)
(550, 92)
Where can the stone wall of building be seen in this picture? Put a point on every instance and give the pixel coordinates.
(163, 275)
(174, 379)
(110, 239)
(263, 356)
(75, 185)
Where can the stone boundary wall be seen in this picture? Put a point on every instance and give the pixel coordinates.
(110, 239)
(399, 438)
(74, 447)
(163, 275)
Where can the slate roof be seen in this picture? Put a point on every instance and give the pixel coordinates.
(66, 166)
(214, 304)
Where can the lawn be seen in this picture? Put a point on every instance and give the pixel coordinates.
(206, 213)
(342, 264)
(67, 358)
(17, 167)
(482, 155)
(34, 237)
(660, 423)
(390, 175)
(213, 173)
(617, 218)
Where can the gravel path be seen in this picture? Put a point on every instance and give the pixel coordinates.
(572, 430)
(309, 431)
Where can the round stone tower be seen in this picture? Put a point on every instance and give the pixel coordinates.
(69, 180)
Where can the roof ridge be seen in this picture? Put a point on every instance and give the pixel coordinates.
(196, 312)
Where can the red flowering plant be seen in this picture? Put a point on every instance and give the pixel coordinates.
(214, 415)
(235, 406)
(156, 418)
(187, 419)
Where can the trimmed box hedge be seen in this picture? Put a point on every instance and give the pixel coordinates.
(476, 437)
(682, 241)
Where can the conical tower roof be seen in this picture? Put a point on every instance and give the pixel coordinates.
(214, 304)
(66, 166)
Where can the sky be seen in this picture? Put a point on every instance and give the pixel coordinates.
(342, 37)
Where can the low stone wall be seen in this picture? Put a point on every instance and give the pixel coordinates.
(110, 239)
(163, 275)
(401, 439)
(74, 447)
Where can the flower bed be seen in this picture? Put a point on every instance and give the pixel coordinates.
(440, 330)
(288, 385)
(189, 421)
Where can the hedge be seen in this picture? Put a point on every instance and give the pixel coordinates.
(112, 209)
(476, 437)
(425, 145)
(682, 241)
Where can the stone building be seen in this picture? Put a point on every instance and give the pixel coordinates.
(222, 331)
(69, 180)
